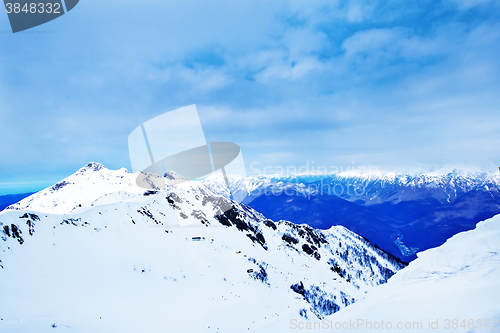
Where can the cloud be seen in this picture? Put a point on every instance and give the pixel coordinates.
(199, 79)
(388, 45)
(327, 81)
(359, 11)
(468, 4)
(374, 40)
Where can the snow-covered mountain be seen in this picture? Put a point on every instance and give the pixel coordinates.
(97, 253)
(397, 187)
(369, 188)
(451, 288)
(246, 189)
(92, 184)
(401, 212)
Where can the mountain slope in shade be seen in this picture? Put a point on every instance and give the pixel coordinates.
(321, 211)
(454, 288)
(97, 254)
(401, 213)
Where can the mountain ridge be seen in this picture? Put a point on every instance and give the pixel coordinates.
(399, 213)
(182, 243)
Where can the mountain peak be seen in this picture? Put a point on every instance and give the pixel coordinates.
(92, 167)
(172, 175)
(80, 190)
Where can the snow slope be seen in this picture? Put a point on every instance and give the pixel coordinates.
(452, 288)
(79, 191)
(96, 253)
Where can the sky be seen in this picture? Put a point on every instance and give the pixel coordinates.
(333, 83)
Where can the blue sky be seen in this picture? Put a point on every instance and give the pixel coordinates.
(384, 83)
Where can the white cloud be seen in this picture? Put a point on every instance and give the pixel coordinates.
(359, 11)
(390, 43)
(304, 41)
(374, 40)
(468, 4)
(205, 79)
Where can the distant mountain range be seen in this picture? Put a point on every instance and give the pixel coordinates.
(7, 200)
(401, 213)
